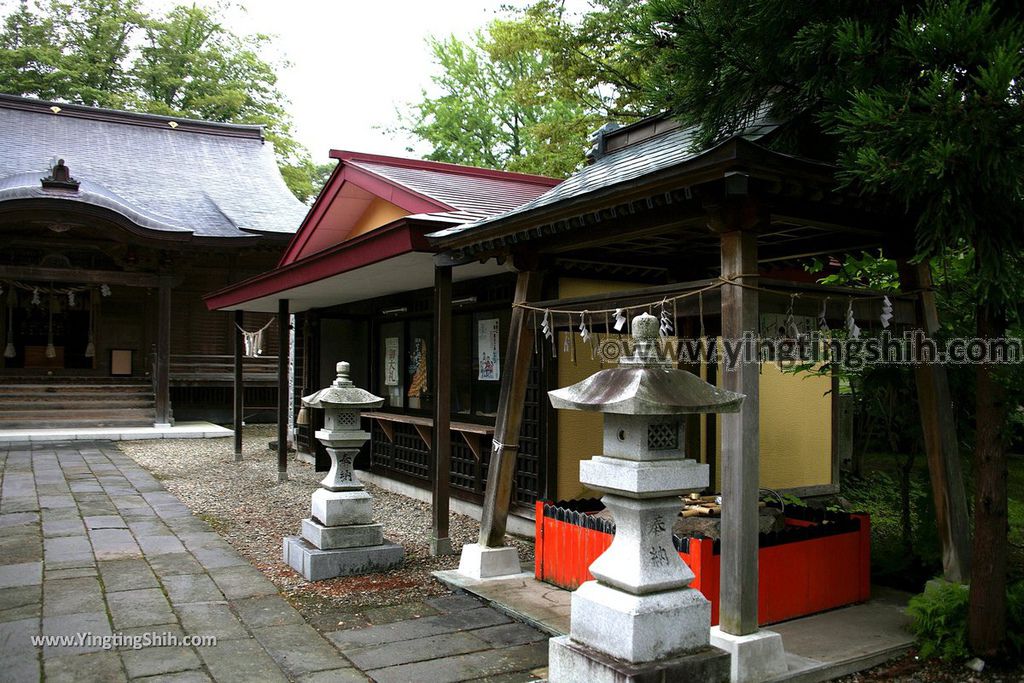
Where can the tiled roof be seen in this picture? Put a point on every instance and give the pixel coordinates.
(471, 193)
(623, 165)
(213, 180)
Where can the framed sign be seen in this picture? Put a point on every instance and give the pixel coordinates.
(489, 358)
(391, 359)
(121, 362)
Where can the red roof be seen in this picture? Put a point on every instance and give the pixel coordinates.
(435, 195)
(430, 190)
(467, 192)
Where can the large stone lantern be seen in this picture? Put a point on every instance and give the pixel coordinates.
(340, 537)
(640, 620)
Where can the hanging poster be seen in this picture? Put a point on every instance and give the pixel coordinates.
(487, 348)
(391, 361)
(418, 368)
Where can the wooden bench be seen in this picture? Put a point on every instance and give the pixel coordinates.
(424, 426)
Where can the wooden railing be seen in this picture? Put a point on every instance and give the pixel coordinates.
(203, 369)
(214, 369)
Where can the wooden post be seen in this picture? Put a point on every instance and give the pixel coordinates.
(505, 448)
(163, 356)
(440, 543)
(740, 439)
(238, 385)
(940, 440)
(282, 390)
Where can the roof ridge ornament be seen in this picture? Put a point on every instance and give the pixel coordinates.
(59, 178)
(597, 140)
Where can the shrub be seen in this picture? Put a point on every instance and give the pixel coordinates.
(939, 620)
(1015, 620)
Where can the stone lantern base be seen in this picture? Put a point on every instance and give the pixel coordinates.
(340, 538)
(569, 661)
(316, 564)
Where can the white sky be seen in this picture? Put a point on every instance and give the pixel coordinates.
(353, 62)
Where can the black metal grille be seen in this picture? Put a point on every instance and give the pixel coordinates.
(465, 469)
(409, 455)
(528, 475)
(663, 436)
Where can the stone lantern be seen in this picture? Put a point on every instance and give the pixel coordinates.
(640, 620)
(340, 538)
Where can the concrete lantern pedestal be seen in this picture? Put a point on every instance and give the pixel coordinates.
(639, 620)
(340, 538)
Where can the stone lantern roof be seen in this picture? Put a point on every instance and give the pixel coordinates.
(342, 392)
(645, 384)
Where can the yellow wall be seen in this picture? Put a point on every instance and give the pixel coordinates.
(580, 435)
(796, 429)
(379, 212)
(796, 418)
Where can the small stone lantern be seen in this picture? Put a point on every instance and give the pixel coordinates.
(640, 618)
(340, 538)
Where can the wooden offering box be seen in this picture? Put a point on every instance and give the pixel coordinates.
(820, 561)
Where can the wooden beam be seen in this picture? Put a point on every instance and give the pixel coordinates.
(96, 277)
(473, 442)
(940, 441)
(238, 382)
(740, 437)
(511, 399)
(282, 390)
(425, 435)
(440, 543)
(163, 357)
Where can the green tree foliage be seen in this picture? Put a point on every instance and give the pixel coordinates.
(111, 53)
(497, 105)
(598, 58)
(920, 105)
(525, 92)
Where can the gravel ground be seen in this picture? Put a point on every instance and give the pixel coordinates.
(910, 669)
(244, 503)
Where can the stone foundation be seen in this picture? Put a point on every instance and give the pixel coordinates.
(315, 564)
(571, 662)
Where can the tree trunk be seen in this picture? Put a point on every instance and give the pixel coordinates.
(987, 609)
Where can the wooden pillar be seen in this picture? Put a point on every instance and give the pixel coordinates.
(239, 382)
(282, 390)
(740, 439)
(511, 399)
(440, 543)
(940, 440)
(163, 356)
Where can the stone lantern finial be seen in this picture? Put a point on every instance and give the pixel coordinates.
(340, 537)
(342, 380)
(639, 616)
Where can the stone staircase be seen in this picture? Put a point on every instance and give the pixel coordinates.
(52, 402)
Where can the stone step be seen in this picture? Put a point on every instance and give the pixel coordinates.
(118, 390)
(42, 414)
(8, 424)
(40, 388)
(77, 404)
(65, 380)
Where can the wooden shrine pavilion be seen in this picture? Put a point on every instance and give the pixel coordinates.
(465, 328)
(112, 225)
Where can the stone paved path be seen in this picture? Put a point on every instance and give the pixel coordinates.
(91, 543)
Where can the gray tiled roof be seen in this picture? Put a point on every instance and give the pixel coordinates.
(623, 165)
(471, 196)
(172, 180)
